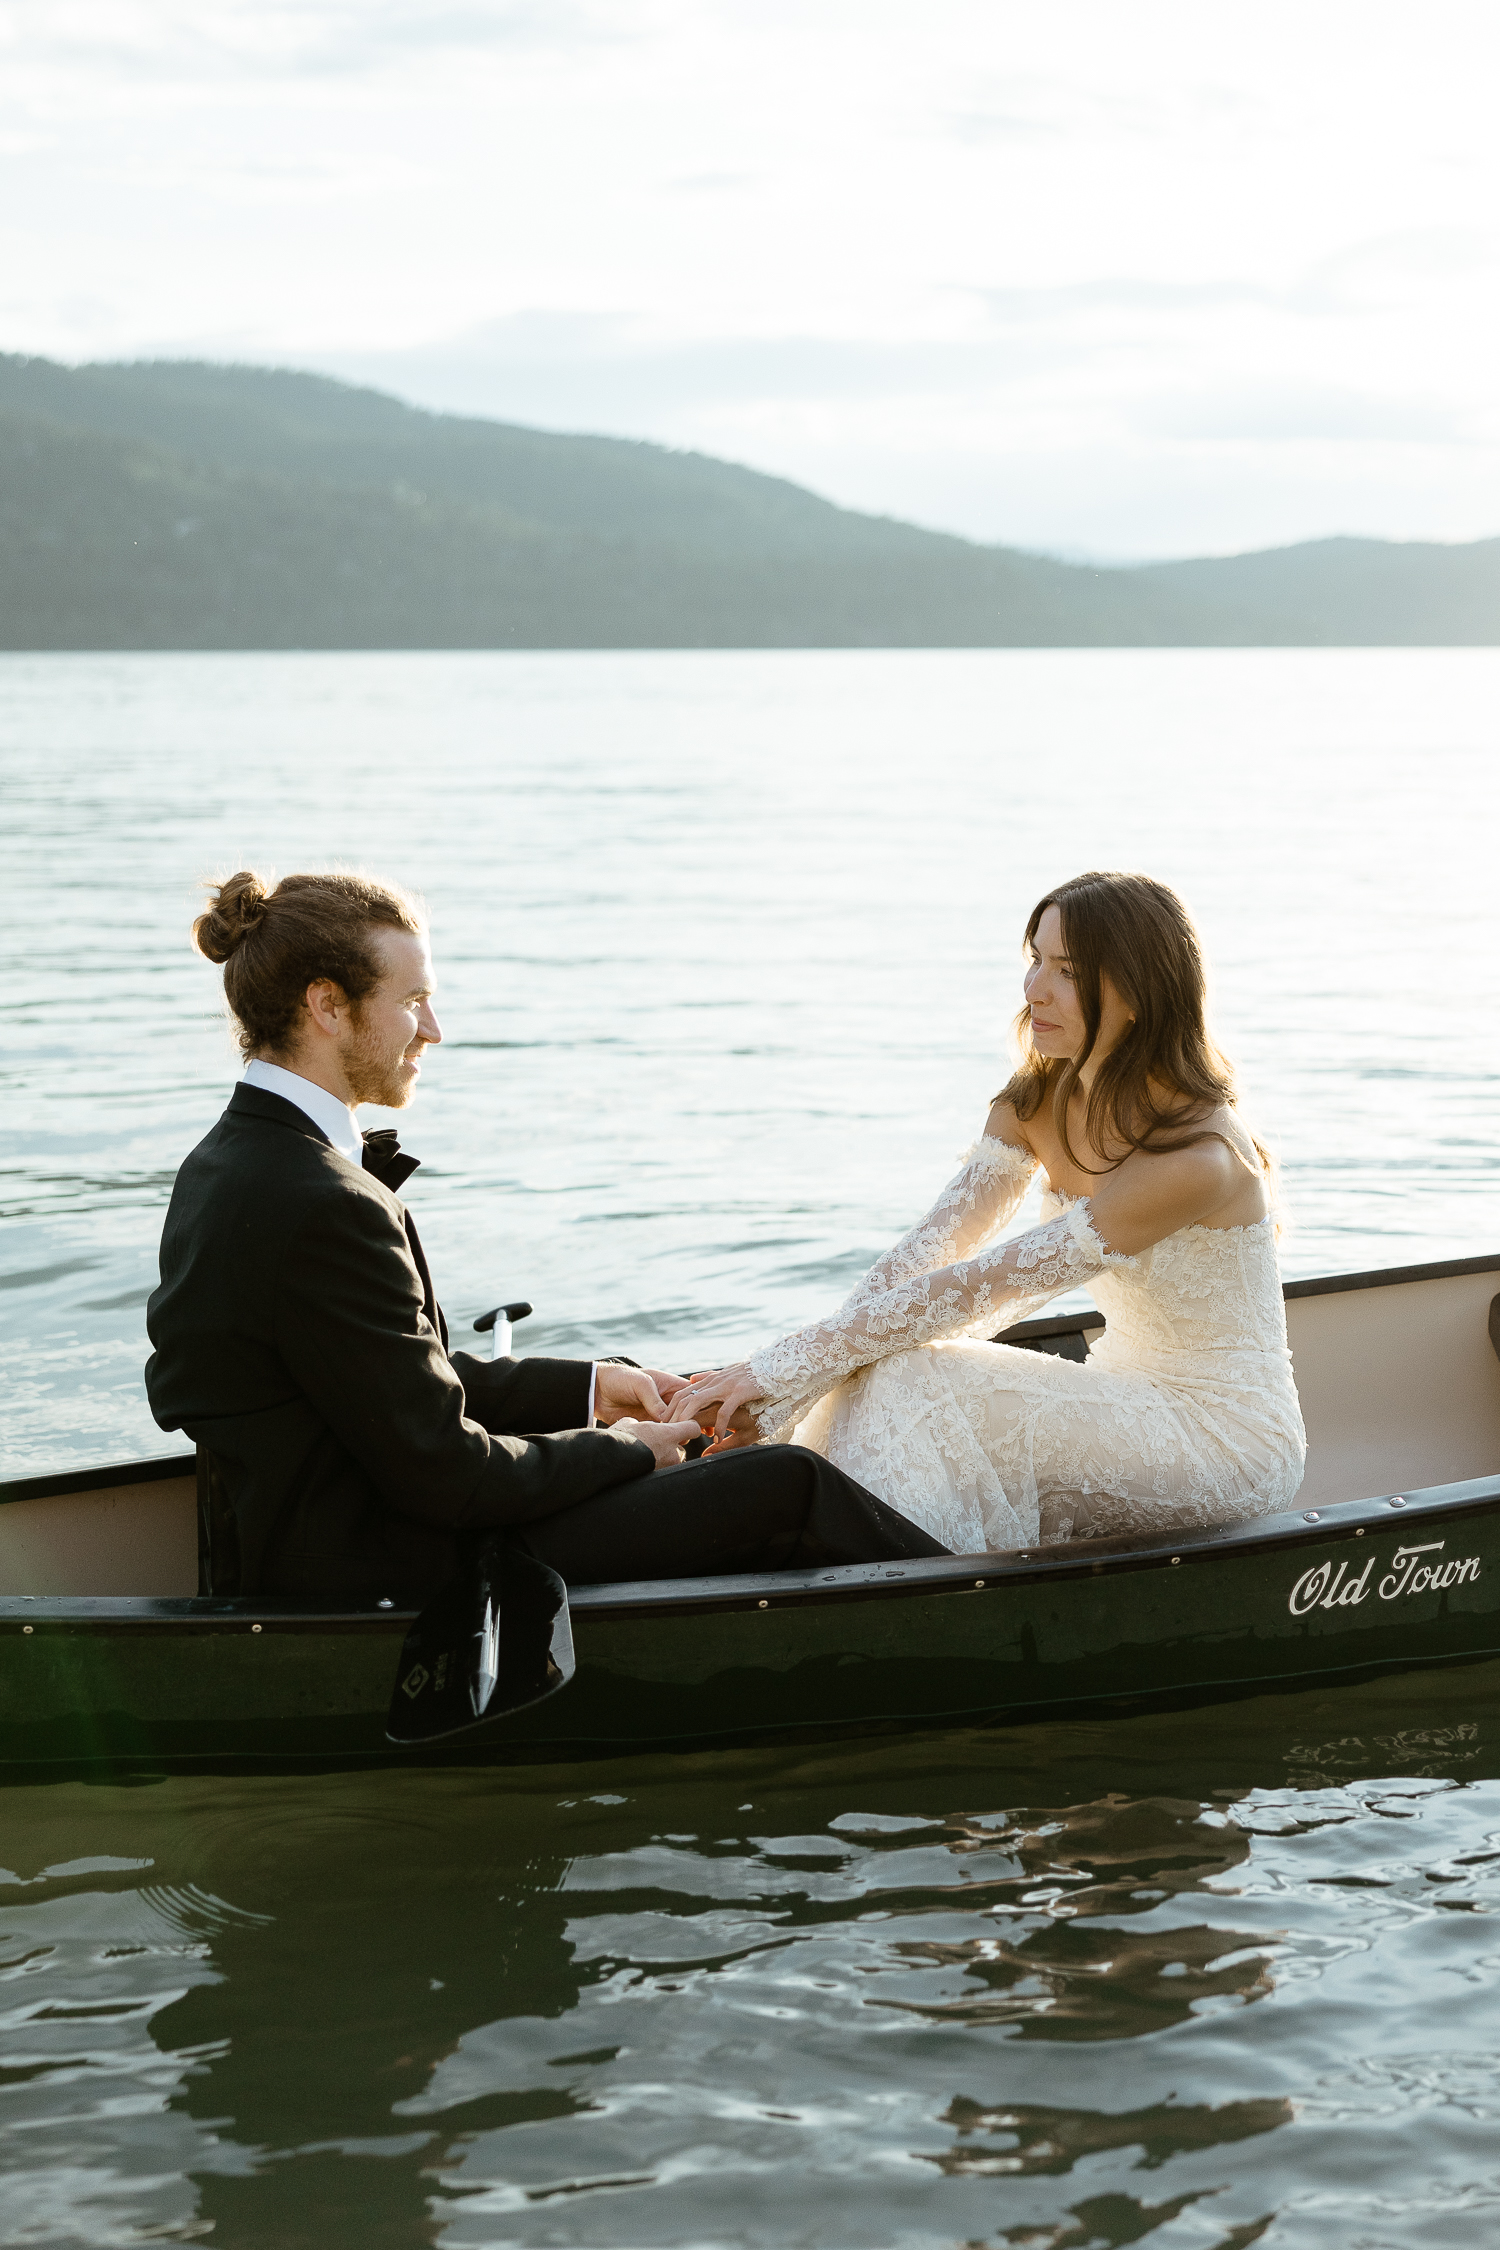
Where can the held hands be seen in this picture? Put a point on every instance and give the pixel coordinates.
(720, 1401)
(634, 1401)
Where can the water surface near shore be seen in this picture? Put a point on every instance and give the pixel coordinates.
(728, 951)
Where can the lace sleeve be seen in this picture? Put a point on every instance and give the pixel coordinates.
(974, 1293)
(971, 1210)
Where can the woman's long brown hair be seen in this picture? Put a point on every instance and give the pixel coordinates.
(1166, 1071)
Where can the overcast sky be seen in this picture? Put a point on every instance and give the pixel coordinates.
(1147, 279)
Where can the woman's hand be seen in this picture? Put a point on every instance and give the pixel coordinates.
(720, 1401)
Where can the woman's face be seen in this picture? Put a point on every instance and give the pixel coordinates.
(1057, 1026)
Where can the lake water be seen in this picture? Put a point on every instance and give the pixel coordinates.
(728, 947)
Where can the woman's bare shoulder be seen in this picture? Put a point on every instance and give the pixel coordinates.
(1154, 1193)
(1196, 1169)
(1002, 1124)
(1213, 1180)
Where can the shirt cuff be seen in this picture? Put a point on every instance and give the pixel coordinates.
(588, 1420)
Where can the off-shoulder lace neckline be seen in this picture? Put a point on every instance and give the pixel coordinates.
(1198, 1226)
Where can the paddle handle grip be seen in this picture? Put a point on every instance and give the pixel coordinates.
(499, 1321)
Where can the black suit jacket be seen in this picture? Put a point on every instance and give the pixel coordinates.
(298, 1340)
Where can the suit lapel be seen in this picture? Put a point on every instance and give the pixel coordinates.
(269, 1109)
(386, 1161)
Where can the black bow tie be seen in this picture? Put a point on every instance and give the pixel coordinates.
(383, 1157)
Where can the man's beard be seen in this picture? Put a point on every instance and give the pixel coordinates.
(374, 1071)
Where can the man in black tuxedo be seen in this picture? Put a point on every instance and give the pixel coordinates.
(299, 1343)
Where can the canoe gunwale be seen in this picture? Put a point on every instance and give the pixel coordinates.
(191, 1615)
(1121, 1556)
(104, 1476)
(1389, 1277)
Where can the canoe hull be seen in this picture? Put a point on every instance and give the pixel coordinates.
(1398, 1380)
(1362, 1588)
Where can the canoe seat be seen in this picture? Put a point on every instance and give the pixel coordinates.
(1071, 1346)
(1063, 1335)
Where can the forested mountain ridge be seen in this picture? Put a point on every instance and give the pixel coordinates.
(174, 504)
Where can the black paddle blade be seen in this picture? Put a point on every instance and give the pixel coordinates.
(496, 1638)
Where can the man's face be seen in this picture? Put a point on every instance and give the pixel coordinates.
(383, 1057)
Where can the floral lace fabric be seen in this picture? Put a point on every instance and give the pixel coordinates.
(921, 1292)
(1185, 1412)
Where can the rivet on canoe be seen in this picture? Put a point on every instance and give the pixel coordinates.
(979, 1581)
(1176, 1559)
(255, 1628)
(1311, 1515)
(26, 1628)
(1359, 1531)
(762, 1605)
(1395, 1503)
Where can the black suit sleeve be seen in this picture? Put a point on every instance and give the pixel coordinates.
(352, 1331)
(516, 1396)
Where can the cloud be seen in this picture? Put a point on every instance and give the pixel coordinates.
(558, 367)
(1017, 106)
(1382, 271)
(711, 183)
(101, 41)
(1276, 416)
(1123, 293)
(982, 126)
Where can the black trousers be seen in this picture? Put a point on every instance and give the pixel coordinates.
(776, 1507)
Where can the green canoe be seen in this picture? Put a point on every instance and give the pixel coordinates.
(1391, 1559)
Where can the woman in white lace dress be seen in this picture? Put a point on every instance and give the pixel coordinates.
(1157, 1200)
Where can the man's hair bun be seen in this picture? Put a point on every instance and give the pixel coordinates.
(306, 929)
(237, 906)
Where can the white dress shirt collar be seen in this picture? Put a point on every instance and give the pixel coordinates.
(327, 1112)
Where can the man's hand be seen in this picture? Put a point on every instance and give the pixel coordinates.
(666, 1439)
(720, 1401)
(643, 1392)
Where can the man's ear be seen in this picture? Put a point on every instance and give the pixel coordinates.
(327, 1006)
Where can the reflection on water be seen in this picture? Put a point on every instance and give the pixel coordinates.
(1194, 1980)
(1094, 1984)
(1083, 1864)
(1025, 2139)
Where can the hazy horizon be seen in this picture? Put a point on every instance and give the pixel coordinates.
(1055, 552)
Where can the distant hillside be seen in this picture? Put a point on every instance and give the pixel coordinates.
(1342, 593)
(178, 505)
